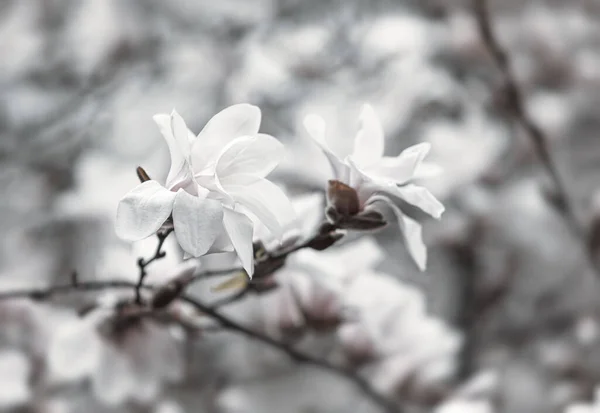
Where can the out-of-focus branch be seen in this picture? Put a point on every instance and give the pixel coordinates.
(516, 105)
(226, 322)
(560, 196)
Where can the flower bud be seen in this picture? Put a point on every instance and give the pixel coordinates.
(343, 198)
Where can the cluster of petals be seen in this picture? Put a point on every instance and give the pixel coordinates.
(380, 324)
(403, 341)
(131, 365)
(215, 189)
(381, 181)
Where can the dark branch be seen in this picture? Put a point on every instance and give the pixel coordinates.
(226, 322)
(559, 197)
(516, 104)
(143, 264)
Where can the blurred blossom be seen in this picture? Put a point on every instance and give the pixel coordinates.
(365, 178)
(476, 140)
(216, 180)
(465, 406)
(310, 293)
(125, 359)
(20, 39)
(407, 343)
(14, 379)
(401, 34)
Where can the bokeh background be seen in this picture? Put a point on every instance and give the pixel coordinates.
(81, 79)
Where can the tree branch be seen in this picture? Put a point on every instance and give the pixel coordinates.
(516, 105)
(226, 322)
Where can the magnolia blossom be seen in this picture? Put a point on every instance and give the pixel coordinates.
(215, 185)
(311, 288)
(364, 180)
(122, 362)
(392, 322)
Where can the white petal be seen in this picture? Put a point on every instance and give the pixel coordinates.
(232, 122)
(114, 381)
(257, 155)
(262, 198)
(197, 221)
(369, 142)
(428, 170)
(315, 126)
(240, 230)
(143, 210)
(421, 198)
(74, 351)
(411, 230)
(222, 244)
(179, 146)
(404, 166)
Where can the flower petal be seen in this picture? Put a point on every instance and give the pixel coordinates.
(176, 134)
(198, 222)
(257, 155)
(240, 230)
(421, 197)
(403, 167)
(411, 230)
(143, 210)
(232, 122)
(262, 198)
(315, 126)
(369, 142)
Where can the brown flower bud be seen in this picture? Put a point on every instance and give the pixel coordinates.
(343, 198)
(142, 175)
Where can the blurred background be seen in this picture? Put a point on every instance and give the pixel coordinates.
(81, 79)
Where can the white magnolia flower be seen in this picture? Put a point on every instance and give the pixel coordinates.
(215, 184)
(407, 343)
(379, 179)
(132, 363)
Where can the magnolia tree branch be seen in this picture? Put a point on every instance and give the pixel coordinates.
(326, 236)
(226, 322)
(516, 104)
(560, 196)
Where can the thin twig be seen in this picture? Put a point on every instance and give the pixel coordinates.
(143, 264)
(226, 322)
(516, 104)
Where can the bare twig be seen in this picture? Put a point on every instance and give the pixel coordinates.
(142, 263)
(516, 104)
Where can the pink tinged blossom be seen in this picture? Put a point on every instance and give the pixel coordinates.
(215, 188)
(365, 180)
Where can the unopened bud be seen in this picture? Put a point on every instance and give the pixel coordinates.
(142, 175)
(343, 198)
